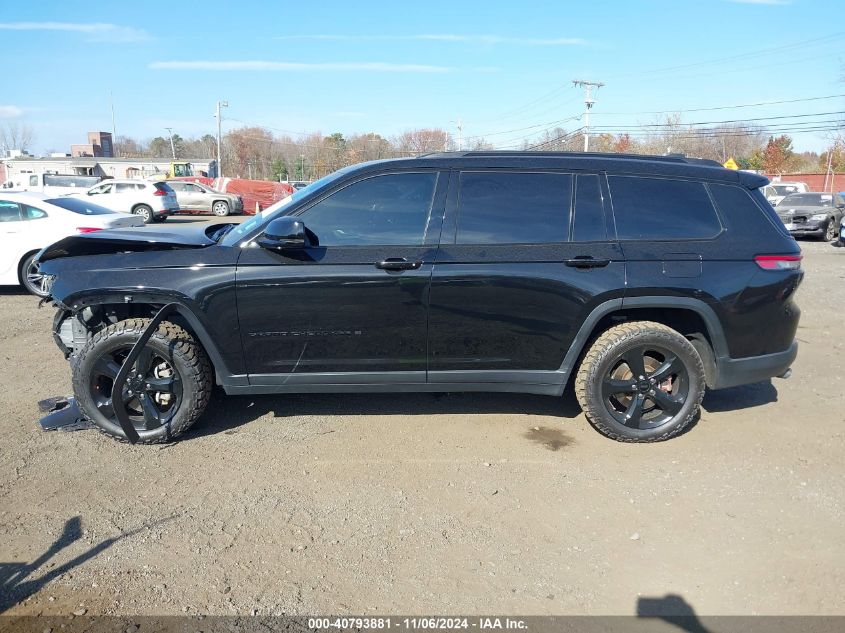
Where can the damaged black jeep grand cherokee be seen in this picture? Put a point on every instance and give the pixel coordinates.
(644, 279)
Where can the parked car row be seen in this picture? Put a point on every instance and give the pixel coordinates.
(153, 200)
(31, 221)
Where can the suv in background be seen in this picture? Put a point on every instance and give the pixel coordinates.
(643, 278)
(193, 196)
(777, 191)
(152, 200)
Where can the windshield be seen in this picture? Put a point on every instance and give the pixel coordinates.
(233, 237)
(79, 205)
(808, 200)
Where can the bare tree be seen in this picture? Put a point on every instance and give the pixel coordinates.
(16, 136)
(423, 141)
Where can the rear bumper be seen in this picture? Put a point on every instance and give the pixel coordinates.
(731, 372)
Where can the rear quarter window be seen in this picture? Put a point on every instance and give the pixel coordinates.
(662, 209)
(746, 211)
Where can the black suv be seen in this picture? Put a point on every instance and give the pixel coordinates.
(642, 279)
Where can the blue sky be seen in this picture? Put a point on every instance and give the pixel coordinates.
(501, 67)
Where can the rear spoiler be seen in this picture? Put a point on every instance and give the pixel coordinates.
(751, 180)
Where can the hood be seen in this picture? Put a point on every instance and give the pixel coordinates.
(802, 210)
(131, 241)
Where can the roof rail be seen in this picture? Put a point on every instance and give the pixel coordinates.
(666, 158)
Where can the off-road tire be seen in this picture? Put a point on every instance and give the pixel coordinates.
(169, 341)
(145, 212)
(606, 351)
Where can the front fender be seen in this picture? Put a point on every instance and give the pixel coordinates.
(203, 289)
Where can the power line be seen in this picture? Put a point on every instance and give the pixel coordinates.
(733, 107)
(521, 109)
(741, 56)
(765, 118)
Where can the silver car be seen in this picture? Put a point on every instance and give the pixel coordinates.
(193, 196)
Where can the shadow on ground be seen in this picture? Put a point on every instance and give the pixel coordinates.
(227, 413)
(736, 398)
(673, 609)
(18, 291)
(15, 582)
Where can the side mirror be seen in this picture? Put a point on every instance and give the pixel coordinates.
(284, 233)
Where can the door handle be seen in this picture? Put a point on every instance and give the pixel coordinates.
(586, 261)
(397, 263)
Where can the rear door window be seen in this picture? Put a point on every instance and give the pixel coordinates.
(662, 209)
(513, 207)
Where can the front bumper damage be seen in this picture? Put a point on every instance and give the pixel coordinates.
(65, 413)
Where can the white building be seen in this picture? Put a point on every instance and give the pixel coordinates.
(94, 166)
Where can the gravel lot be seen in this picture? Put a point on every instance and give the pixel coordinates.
(417, 504)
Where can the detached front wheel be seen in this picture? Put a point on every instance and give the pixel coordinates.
(168, 387)
(640, 382)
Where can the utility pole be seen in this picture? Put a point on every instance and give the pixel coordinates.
(459, 124)
(172, 146)
(220, 104)
(113, 128)
(588, 105)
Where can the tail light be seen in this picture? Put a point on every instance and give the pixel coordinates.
(88, 229)
(159, 192)
(779, 262)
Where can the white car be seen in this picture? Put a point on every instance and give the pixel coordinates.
(777, 191)
(31, 221)
(152, 200)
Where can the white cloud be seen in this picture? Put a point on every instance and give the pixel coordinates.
(297, 66)
(446, 37)
(767, 2)
(10, 112)
(96, 31)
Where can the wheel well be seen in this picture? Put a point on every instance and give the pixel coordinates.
(99, 316)
(141, 204)
(226, 202)
(687, 322)
(20, 262)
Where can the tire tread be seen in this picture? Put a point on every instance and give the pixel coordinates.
(182, 343)
(606, 343)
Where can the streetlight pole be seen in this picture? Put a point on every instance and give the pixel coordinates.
(172, 146)
(220, 104)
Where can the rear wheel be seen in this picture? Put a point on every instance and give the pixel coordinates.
(640, 382)
(221, 208)
(168, 387)
(31, 278)
(145, 212)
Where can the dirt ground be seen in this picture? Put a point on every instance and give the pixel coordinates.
(420, 504)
